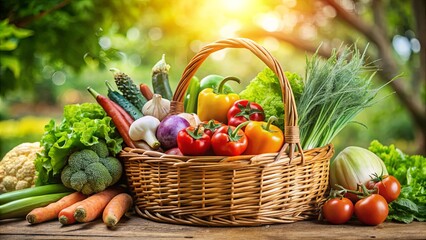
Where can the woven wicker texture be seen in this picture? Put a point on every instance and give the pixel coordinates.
(243, 190)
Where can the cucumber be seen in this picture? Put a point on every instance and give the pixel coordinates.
(31, 192)
(160, 79)
(115, 96)
(21, 207)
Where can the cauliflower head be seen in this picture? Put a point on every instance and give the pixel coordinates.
(17, 169)
(89, 173)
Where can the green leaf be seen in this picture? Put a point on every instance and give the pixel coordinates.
(402, 217)
(406, 204)
(22, 33)
(8, 45)
(11, 63)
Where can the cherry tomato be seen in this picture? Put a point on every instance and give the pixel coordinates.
(388, 186)
(372, 210)
(338, 210)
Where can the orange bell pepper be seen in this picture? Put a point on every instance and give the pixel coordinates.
(263, 137)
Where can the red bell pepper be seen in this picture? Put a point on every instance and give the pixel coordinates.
(229, 140)
(211, 126)
(193, 141)
(243, 110)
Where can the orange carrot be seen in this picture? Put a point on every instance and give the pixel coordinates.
(49, 212)
(117, 118)
(124, 114)
(66, 215)
(146, 91)
(91, 208)
(116, 208)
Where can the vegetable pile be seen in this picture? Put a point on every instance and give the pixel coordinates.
(396, 180)
(411, 173)
(78, 174)
(55, 201)
(83, 126)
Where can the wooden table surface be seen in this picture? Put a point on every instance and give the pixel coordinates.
(137, 227)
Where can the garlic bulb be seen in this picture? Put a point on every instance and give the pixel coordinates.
(157, 107)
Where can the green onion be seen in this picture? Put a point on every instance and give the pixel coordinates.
(336, 90)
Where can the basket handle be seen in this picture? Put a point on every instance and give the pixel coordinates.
(291, 129)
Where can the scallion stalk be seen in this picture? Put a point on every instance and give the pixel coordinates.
(336, 90)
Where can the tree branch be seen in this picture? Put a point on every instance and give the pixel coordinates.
(29, 19)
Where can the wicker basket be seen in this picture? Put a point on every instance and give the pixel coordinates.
(244, 190)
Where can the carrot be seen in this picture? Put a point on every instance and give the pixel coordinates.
(49, 212)
(91, 208)
(124, 114)
(146, 91)
(116, 208)
(117, 118)
(66, 215)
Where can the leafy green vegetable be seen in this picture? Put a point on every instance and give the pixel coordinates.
(265, 90)
(83, 125)
(336, 90)
(411, 173)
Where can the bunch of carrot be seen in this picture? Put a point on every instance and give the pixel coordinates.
(111, 204)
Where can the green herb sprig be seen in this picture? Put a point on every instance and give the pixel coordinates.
(336, 90)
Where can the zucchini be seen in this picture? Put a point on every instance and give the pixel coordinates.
(115, 96)
(31, 192)
(191, 97)
(21, 207)
(160, 79)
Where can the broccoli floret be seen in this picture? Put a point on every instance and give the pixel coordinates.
(98, 177)
(114, 167)
(78, 180)
(82, 159)
(100, 148)
(66, 174)
(87, 173)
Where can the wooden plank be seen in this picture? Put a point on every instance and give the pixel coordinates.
(136, 227)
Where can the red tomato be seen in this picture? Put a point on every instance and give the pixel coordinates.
(338, 210)
(229, 141)
(388, 186)
(193, 141)
(243, 110)
(211, 126)
(372, 210)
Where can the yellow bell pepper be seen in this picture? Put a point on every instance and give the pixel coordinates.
(215, 104)
(263, 137)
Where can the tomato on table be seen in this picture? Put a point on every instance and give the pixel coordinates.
(372, 210)
(338, 210)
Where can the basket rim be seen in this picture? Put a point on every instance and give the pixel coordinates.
(208, 162)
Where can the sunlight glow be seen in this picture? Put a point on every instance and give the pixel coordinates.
(235, 5)
(270, 22)
(133, 34)
(230, 29)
